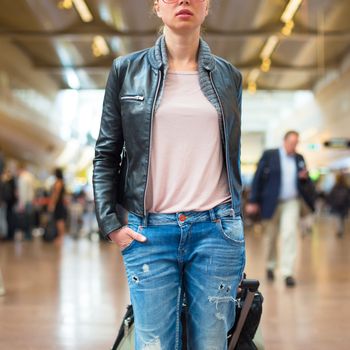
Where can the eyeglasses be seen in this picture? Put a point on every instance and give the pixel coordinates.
(173, 1)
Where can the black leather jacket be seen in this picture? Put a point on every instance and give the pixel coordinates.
(133, 92)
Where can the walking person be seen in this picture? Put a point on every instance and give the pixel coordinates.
(2, 162)
(339, 201)
(9, 197)
(174, 113)
(25, 196)
(57, 207)
(280, 180)
(3, 225)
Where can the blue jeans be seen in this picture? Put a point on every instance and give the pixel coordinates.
(199, 254)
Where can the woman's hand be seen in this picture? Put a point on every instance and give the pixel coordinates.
(124, 237)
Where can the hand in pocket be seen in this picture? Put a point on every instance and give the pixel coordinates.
(124, 237)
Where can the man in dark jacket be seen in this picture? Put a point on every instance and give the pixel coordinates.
(280, 179)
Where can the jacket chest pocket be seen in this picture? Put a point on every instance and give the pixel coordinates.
(132, 98)
(133, 106)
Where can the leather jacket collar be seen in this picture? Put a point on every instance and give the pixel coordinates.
(158, 55)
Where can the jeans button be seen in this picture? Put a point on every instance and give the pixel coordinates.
(182, 217)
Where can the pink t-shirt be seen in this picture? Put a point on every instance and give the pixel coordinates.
(187, 170)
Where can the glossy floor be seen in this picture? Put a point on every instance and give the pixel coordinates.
(73, 296)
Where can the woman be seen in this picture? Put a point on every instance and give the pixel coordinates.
(57, 206)
(9, 197)
(168, 152)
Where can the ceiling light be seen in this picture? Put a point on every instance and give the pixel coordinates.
(83, 10)
(265, 65)
(65, 4)
(253, 75)
(290, 10)
(287, 29)
(99, 46)
(252, 87)
(72, 79)
(269, 47)
(252, 78)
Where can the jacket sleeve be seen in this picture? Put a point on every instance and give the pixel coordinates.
(257, 184)
(108, 156)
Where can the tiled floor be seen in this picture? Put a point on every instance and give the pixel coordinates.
(73, 297)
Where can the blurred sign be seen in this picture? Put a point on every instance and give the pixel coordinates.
(338, 143)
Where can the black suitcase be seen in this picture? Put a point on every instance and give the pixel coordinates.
(240, 337)
(50, 230)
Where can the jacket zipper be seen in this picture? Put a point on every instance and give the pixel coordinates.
(223, 122)
(136, 98)
(150, 138)
(127, 166)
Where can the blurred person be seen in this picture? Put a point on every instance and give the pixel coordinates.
(3, 222)
(25, 197)
(40, 205)
(339, 201)
(280, 179)
(307, 219)
(2, 162)
(57, 205)
(89, 224)
(3, 226)
(10, 199)
(76, 212)
(174, 111)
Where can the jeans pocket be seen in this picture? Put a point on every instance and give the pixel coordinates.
(232, 229)
(137, 229)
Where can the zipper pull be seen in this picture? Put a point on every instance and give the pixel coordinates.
(136, 98)
(127, 326)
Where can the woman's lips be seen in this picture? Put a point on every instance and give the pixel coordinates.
(184, 14)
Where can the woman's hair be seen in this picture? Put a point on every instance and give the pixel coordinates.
(59, 173)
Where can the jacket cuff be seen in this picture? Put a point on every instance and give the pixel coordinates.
(112, 225)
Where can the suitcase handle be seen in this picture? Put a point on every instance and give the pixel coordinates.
(251, 285)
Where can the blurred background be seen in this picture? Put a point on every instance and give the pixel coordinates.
(55, 56)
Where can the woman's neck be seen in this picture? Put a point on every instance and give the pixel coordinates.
(182, 50)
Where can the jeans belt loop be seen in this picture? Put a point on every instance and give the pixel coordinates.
(213, 215)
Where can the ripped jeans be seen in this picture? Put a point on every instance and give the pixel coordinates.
(199, 254)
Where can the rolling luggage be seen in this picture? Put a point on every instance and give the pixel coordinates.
(244, 335)
(50, 230)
